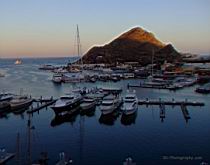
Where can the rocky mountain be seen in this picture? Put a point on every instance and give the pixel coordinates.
(135, 45)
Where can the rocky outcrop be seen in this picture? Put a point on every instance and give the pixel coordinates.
(136, 45)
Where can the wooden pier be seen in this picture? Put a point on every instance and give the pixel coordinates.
(6, 158)
(40, 105)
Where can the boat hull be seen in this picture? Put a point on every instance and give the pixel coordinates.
(69, 107)
(16, 106)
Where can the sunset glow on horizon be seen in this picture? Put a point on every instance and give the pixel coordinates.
(48, 28)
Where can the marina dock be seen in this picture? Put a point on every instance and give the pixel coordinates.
(40, 105)
(172, 102)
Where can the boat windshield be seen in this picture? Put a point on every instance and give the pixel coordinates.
(67, 97)
(129, 101)
(130, 98)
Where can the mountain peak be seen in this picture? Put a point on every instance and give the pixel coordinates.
(136, 45)
(141, 35)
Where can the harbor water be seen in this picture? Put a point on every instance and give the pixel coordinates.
(95, 140)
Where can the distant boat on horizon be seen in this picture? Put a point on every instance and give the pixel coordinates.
(18, 62)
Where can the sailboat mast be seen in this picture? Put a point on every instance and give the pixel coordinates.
(29, 140)
(18, 149)
(79, 46)
(152, 60)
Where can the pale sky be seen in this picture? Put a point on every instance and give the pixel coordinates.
(42, 28)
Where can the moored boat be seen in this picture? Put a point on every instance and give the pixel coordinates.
(72, 77)
(5, 97)
(130, 103)
(110, 103)
(57, 78)
(88, 103)
(20, 102)
(66, 103)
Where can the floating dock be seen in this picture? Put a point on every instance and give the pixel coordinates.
(172, 102)
(40, 106)
(6, 158)
(153, 87)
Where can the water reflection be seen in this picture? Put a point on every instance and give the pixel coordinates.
(64, 118)
(89, 112)
(109, 119)
(128, 119)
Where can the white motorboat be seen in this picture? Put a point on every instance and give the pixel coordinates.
(57, 78)
(18, 62)
(66, 103)
(47, 67)
(2, 74)
(5, 97)
(109, 104)
(88, 103)
(20, 102)
(130, 104)
(73, 77)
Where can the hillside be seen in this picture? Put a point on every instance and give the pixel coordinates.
(135, 45)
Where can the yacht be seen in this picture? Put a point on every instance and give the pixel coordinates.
(57, 78)
(20, 102)
(5, 97)
(88, 103)
(72, 77)
(109, 104)
(130, 103)
(2, 74)
(66, 103)
(18, 62)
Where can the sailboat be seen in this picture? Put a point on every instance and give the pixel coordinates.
(154, 82)
(76, 76)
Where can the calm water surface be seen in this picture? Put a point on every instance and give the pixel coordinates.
(94, 140)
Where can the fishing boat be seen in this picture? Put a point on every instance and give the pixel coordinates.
(88, 103)
(110, 103)
(67, 103)
(130, 103)
(20, 102)
(18, 62)
(57, 78)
